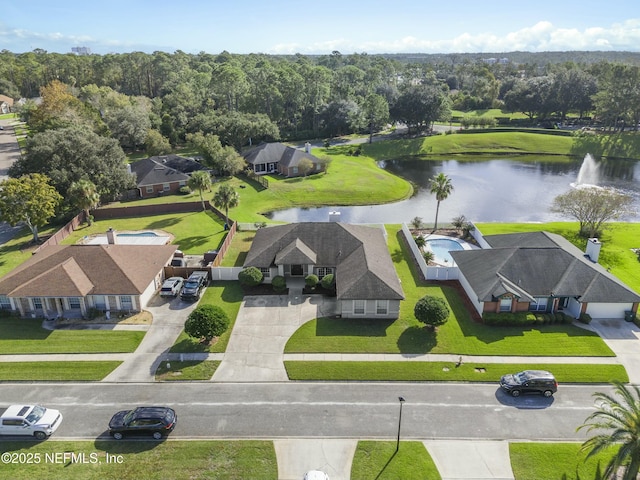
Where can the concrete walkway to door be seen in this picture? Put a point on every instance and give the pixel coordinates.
(263, 327)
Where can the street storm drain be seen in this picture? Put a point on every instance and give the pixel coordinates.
(480, 370)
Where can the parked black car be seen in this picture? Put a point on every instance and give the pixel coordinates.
(155, 421)
(529, 381)
(193, 285)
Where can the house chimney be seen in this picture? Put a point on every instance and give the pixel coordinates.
(307, 147)
(593, 249)
(111, 236)
(334, 216)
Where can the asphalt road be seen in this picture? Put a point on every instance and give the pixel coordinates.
(320, 410)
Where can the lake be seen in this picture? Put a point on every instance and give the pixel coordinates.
(485, 190)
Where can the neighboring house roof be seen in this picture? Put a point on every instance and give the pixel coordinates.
(7, 100)
(163, 169)
(364, 269)
(538, 264)
(277, 153)
(80, 270)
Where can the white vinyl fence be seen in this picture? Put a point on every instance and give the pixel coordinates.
(225, 273)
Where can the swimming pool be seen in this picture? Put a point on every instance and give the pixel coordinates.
(441, 248)
(139, 234)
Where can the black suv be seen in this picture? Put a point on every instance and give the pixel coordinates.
(155, 421)
(529, 381)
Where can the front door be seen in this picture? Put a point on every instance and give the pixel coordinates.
(297, 270)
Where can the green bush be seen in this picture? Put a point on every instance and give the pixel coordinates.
(585, 318)
(432, 311)
(279, 283)
(250, 277)
(206, 321)
(311, 280)
(185, 190)
(327, 281)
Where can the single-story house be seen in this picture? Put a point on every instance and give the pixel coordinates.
(163, 175)
(542, 272)
(366, 281)
(279, 158)
(69, 280)
(6, 104)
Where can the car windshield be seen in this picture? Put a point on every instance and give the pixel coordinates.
(128, 417)
(36, 414)
(191, 284)
(521, 377)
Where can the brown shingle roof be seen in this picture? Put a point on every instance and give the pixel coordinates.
(80, 270)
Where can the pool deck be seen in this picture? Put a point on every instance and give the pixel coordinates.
(439, 261)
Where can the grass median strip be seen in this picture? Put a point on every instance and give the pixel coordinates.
(150, 460)
(380, 460)
(416, 371)
(56, 371)
(186, 370)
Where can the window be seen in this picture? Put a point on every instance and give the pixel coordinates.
(166, 187)
(5, 303)
(74, 302)
(295, 170)
(125, 302)
(266, 272)
(183, 183)
(505, 304)
(538, 304)
(323, 271)
(382, 307)
(149, 189)
(100, 302)
(358, 307)
(37, 303)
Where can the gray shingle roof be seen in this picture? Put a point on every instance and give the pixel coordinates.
(80, 270)
(538, 264)
(163, 169)
(364, 269)
(277, 153)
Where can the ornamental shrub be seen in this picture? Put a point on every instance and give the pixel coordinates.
(432, 311)
(585, 318)
(206, 321)
(279, 283)
(327, 281)
(250, 277)
(311, 280)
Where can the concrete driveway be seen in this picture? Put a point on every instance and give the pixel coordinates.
(263, 326)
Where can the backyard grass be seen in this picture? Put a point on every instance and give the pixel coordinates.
(177, 460)
(194, 232)
(56, 371)
(447, 371)
(617, 241)
(555, 461)
(26, 336)
(237, 252)
(186, 370)
(228, 296)
(380, 461)
(460, 335)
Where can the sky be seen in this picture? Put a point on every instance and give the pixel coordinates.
(310, 28)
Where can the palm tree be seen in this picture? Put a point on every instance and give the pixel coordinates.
(441, 186)
(200, 181)
(620, 417)
(226, 197)
(84, 195)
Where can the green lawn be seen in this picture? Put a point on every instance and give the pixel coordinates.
(186, 370)
(447, 371)
(56, 371)
(380, 461)
(238, 249)
(617, 241)
(151, 460)
(226, 295)
(26, 336)
(555, 461)
(460, 335)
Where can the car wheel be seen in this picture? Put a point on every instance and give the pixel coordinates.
(157, 435)
(547, 393)
(515, 393)
(117, 435)
(40, 435)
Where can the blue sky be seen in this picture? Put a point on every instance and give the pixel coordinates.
(287, 27)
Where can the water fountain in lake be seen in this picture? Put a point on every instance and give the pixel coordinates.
(589, 174)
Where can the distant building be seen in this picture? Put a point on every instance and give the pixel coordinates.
(81, 50)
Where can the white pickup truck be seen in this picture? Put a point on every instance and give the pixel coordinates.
(32, 420)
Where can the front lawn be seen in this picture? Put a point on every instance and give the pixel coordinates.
(56, 371)
(150, 460)
(460, 335)
(380, 461)
(555, 461)
(186, 370)
(26, 336)
(417, 371)
(228, 296)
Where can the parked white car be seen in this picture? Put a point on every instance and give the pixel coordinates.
(315, 475)
(171, 287)
(32, 420)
